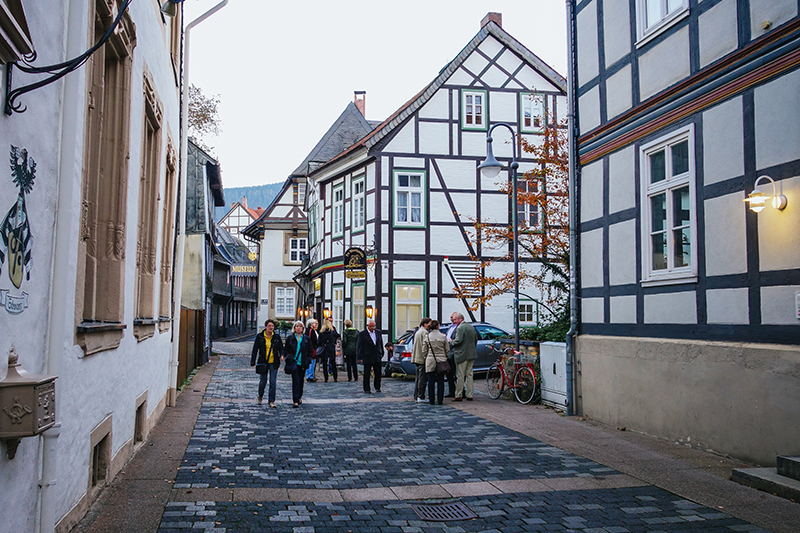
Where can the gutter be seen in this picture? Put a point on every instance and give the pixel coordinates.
(572, 121)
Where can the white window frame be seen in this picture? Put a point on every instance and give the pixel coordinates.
(408, 193)
(358, 203)
(338, 307)
(358, 302)
(402, 304)
(284, 302)
(300, 248)
(666, 18)
(672, 274)
(534, 102)
(337, 224)
(528, 209)
(470, 118)
(534, 313)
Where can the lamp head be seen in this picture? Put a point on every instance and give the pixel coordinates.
(170, 7)
(758, 199)
(490, 168)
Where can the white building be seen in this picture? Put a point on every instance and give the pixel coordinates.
(87, 243)
(238, 217)
(690, 301)
(407, 192)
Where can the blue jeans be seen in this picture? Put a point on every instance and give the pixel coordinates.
(297, 385)
(310, 371)
(435, 381)
(272, 374)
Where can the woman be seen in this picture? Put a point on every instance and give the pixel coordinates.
(312, 335)
(327, 340)
(435, 349)
(349, 337)
(267, 351)
(298, 347)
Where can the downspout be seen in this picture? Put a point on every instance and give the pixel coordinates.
(176, 313)
(62, 292)
(573, 216)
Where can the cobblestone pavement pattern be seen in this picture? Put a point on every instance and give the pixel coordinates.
(365, 458)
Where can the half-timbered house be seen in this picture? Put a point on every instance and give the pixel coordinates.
(689, 300)
(408, 191)
(238, 217)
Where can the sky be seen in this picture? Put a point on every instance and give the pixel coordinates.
(284, 71)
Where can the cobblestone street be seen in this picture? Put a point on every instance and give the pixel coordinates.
(349, 462)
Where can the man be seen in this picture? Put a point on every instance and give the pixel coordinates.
(464, 341)
(369, 350)
(267, 348)
(418, 358)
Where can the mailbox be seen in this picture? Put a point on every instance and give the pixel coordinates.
(27, 404)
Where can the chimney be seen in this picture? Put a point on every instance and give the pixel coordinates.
(244, 201)
(497, 18)
(361, 101)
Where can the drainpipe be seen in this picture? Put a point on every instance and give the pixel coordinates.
(573, 217)
(176, 319)
(62, 289)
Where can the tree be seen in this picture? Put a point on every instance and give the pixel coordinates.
(543, 230)
(203, 116)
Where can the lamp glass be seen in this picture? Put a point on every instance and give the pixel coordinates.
(169, 8)
(490, 172)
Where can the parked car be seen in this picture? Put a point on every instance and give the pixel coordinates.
(488, 334)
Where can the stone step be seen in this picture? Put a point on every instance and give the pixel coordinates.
(789, 466)
(768, 480)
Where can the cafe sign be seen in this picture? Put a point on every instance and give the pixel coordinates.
(355, 263)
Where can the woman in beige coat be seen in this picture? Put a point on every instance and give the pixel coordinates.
(436, 348)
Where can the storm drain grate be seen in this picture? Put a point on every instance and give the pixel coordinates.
(443, 512)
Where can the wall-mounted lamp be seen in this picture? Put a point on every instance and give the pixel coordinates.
(370, 311)
(758, 199)
(326, 313)
(169, 7)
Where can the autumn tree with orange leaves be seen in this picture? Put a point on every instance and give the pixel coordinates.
(543, 239)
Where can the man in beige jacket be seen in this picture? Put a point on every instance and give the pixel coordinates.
(418, 358)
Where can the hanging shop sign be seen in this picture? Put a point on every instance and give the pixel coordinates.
(355, 263)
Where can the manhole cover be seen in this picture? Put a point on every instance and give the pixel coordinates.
(443, 512)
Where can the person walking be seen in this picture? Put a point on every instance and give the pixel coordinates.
(464, 342)
(327, 341)
(435, 350)
(313, 336)
(418, 358)
(349, 337)
(451, 374)
(369, 350)
(267, 350)
(298, 348)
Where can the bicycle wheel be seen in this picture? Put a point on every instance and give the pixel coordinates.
(524, 385)
(494, 382)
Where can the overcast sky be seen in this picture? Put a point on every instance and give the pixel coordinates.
(284, 71)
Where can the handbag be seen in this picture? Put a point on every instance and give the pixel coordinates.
(290, 366)
(442, 367)
(261, 368)
(318, 352)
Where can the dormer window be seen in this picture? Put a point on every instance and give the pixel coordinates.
(473, 110)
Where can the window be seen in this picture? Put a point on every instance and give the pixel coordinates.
(338, 211)
(358, 298)
(528, 314)
(669, 197)
(338, 307)
(297, 247)
(284, 302)
(532, 112)
(408, 198)
(167, 229)
(473, 110)
(408, 305)
(146, 244)
(656, 15)
(527, 211)
(101, 251)
(312, 225)
(357, 199)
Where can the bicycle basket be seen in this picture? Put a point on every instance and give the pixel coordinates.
(510, 363)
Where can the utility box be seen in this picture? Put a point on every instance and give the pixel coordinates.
(27, 404)
(553, 361)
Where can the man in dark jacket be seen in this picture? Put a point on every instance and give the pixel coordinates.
(369, 350)
(349, 337)
(267, 350)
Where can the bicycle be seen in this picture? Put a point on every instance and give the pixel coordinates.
(522, 381)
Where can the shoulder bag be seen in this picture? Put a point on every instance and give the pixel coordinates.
(442, 367)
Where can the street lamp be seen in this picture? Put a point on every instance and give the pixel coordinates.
(490, 168)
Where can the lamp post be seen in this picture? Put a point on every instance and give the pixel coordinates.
(184, 155)
(490, 168)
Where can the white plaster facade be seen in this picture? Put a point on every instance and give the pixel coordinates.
(97, 394)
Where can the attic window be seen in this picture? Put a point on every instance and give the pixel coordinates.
(15, 38)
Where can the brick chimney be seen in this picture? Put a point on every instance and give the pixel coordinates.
(244, 201)
(497, 18)
(360, 100)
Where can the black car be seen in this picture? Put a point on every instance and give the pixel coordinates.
(487, 335)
